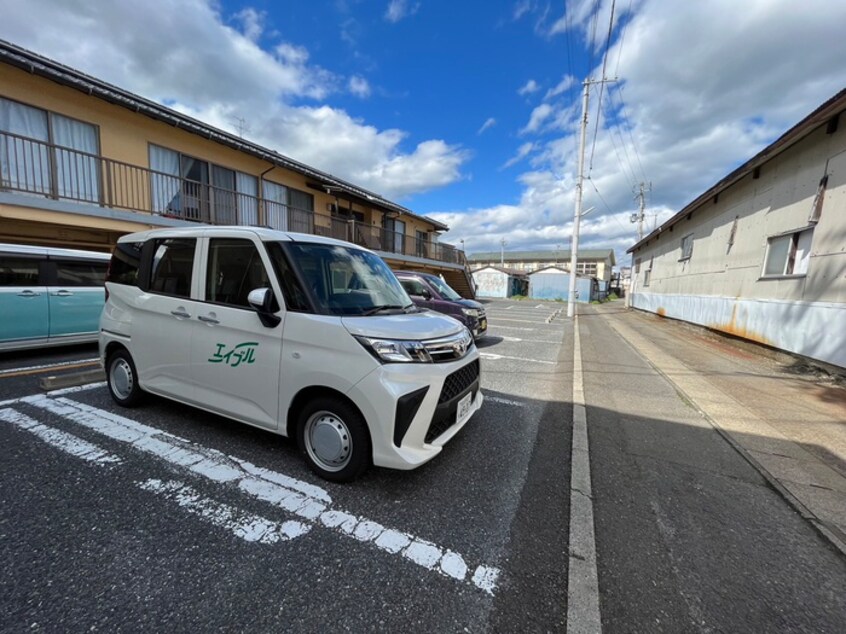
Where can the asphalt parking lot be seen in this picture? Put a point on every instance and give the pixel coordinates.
(168, 517)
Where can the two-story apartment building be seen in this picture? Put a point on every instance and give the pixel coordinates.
(83, 162)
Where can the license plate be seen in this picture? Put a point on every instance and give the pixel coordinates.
(483, 323)
(463, 408)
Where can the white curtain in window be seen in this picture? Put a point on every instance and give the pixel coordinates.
(247, 187)
(24, 162)
(77, 173)
(223, 196)
(165, 182)
(275, 205)
(399, 236)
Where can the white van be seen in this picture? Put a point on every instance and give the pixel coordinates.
(302, 335)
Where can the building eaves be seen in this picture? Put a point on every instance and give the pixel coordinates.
(65, 75)
(829, 110)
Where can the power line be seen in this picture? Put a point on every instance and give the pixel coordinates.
(602, 85)
(629, 130)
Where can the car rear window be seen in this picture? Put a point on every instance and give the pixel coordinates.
(125, 264)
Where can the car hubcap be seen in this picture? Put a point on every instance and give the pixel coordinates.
(122, 380)
(328, 441)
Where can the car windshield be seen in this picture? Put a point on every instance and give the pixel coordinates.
(347, 281)
(443, 288)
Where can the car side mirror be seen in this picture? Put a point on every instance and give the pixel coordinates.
(261, 300)
(426, 294)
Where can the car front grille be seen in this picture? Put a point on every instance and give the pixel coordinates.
(459, 381)
(455, 385)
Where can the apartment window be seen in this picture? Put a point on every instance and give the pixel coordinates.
(686, 247)
(275, 205)
(195, 189)
(788, 254)
(422, 237)
(300, 211)
(48, 154)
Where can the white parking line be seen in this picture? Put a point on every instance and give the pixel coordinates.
(518, 339)
(249, 527)
(68, 443)
(497, 357)
(582, 581)
(525, 321)
(305, 500)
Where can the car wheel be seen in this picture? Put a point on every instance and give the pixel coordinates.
(122, 379)
(334, 439)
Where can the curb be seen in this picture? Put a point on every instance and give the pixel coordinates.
(72, 379)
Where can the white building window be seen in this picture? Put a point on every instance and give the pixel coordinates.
(788, 254)
(647, 275)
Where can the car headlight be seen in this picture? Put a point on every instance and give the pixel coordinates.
(470, 312)
(396, 350)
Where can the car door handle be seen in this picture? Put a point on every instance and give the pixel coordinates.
(29, 294)
(180, 313)
(208, 320)
(62, 294)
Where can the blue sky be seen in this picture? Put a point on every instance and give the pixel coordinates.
(468, 111)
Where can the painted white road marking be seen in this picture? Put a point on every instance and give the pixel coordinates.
(249, 527)
(46, 366)
(504, 401)
(518, 340)
(582, 581)
(522, 321)
(497, 357)
(305, 500)
(68, 443)
(498, 327)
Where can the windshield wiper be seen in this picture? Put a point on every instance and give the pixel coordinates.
(378, 309)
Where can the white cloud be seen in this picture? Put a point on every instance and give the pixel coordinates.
(539, 115)
(359, 86)
(488, 124)
(399, 9)
(528, 88)
(522, 152)
(561, 87)
(189, 58)
(252, 23)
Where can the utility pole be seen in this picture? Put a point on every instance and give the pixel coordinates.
(640, 217)
(502, 252)
(577, 214)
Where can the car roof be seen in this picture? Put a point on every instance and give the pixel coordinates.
(264, 234)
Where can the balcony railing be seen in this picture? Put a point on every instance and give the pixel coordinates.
(37, 168)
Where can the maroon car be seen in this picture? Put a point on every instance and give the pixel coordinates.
(430, 291)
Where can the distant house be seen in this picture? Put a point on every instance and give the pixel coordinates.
(762, 254)
(596, 263)
(553, 282)
(492, 281)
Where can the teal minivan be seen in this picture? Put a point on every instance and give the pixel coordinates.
(50, 297)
